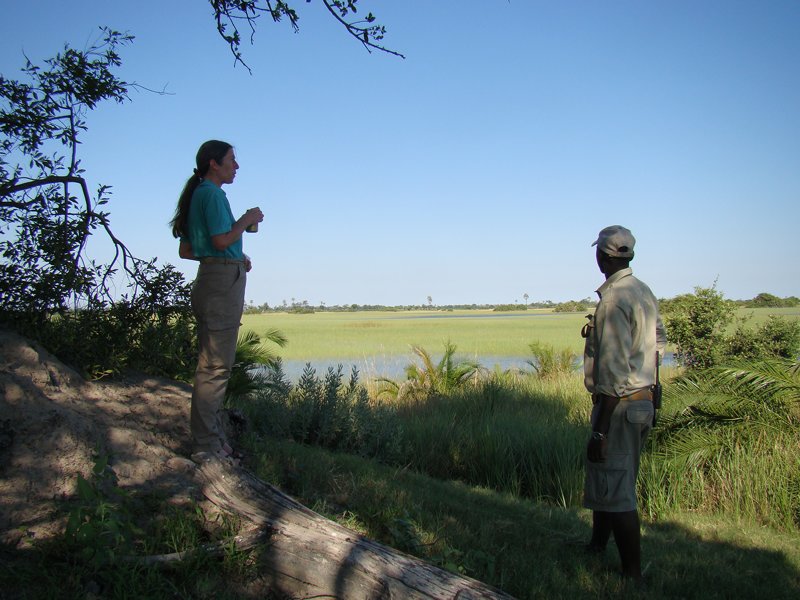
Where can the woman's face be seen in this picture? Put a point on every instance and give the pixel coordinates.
(225, 171)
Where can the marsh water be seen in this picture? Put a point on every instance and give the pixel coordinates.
(393, 367)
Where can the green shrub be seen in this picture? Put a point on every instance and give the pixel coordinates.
(549, 362)
(510, 307)
(100, 525)
(107, 340)
(696, 324)
(326, 412)
(728, 444)
(253, 361)
(772, 301)
(777, 338)
(429, 378)
(575, 306)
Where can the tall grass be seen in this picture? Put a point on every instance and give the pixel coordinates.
(524, 434)
(527, 436)
(730, 444)
(512, 433)
(529, 549)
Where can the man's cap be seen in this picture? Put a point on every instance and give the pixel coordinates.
(616, 241)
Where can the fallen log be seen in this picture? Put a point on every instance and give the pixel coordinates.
(310, 556)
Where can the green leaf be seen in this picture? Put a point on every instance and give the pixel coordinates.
(85, 490)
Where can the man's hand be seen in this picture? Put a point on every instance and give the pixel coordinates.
(598, 444)
(247, 264)
(596, 450)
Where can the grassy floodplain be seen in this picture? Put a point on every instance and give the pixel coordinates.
(360, 336)
(355, 335)
(487, 480)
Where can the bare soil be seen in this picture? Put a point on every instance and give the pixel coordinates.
(53, 423)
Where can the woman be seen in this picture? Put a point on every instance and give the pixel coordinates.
(208, 233)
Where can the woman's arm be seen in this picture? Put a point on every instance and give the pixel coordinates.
(223, 240)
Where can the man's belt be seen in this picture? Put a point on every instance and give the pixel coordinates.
(218, 260)
(643, 394)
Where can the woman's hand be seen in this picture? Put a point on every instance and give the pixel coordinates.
(185, 251)
(253, 216)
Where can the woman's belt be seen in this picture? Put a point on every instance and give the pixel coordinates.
(218, 260)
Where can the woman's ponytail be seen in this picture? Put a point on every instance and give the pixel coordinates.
(210, 150)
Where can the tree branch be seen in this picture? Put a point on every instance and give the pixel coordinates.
(227, 12)
(8, 190)
(360, 33)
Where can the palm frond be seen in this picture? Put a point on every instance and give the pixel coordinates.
(386, 387)
(276, 336)
(432, 378)
(252, 356)
(716, 409)
(777, 380)
(549, 362)
(427, 360)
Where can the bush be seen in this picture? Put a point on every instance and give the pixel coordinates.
(251, 367)
(768, 300)
(154, 332)
(429, 378)
(575, 305)
(727, 443)
(777, 338)
(551, 363)
(509, 307)
(100, 526)
(326, 412)
(696, 324)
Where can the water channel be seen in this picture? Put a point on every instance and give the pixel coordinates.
(393, 367)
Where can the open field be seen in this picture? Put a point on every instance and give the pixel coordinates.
(362, 336)
(356, 335)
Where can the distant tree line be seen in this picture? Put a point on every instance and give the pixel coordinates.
(305, 307)
(762, 300)
(770, 301)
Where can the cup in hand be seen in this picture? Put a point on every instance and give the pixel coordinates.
(253, 227)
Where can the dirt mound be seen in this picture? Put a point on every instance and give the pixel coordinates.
(53, 423)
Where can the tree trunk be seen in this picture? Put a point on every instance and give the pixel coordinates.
(310, 556)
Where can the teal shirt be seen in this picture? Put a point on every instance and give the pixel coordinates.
(209, 215)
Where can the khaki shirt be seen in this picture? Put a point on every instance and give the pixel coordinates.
(626, 332)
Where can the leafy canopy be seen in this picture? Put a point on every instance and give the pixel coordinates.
(50, 289)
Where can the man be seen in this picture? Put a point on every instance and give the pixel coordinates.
(623, 343)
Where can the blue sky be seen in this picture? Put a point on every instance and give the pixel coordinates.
(478, 169)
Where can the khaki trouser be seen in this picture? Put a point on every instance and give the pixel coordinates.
(217, 302)
(610, 486)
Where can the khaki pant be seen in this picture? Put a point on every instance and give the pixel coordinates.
(217, 303)
(610, 486)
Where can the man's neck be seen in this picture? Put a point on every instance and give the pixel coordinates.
(611, 269)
